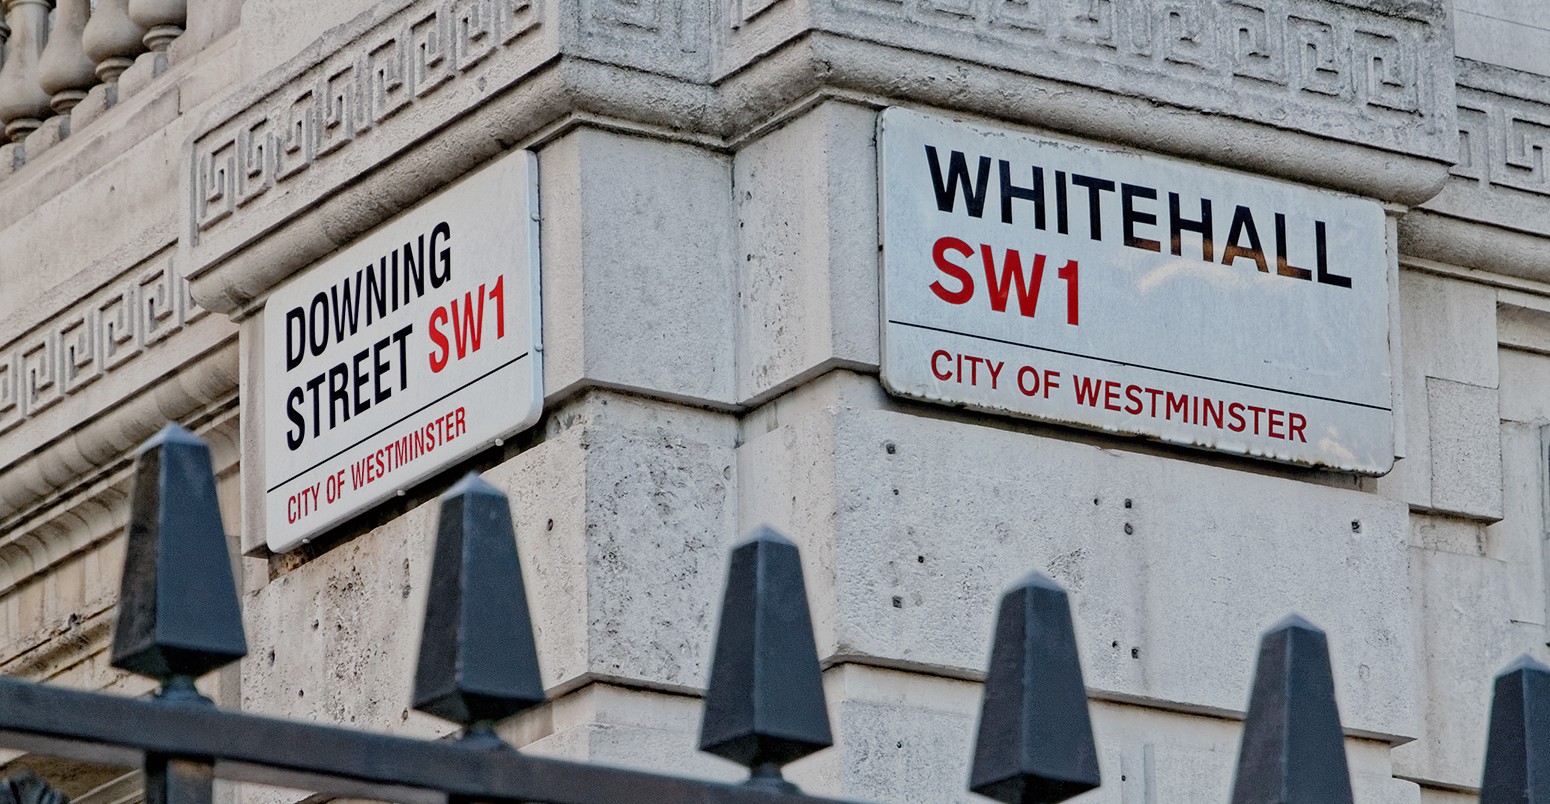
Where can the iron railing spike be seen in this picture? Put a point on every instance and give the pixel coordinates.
(765, 705)
(478, 662)
(178, 613)
(1293, 749)
(1517, 754)
(1035, 739)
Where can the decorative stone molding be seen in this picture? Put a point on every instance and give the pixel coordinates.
(1493, 211)
(382, 110)
(99, 335)
(1372, 72)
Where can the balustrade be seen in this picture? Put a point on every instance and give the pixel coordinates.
(52, 52)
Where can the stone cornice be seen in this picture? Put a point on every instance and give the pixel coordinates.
(1494, 212)
(400, 101)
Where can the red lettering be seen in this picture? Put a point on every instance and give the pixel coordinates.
(1133, 393)
(1110, 393)
(1012, 274)
(941, 375)
(1235, 413)
(1087, 390)
(965, 289)
(438, 363)
(1295, 427)
(1275, 424)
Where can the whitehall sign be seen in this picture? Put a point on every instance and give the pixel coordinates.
(412, 348)
(1134, 294)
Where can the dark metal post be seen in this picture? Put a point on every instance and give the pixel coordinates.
(178, 612)
(1517, 756)
(178, 781)
(1035, 736)
(1293, 751)
(765, 706)
(478, 663)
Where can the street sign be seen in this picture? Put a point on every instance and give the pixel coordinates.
(410, 349)
(1135, 294)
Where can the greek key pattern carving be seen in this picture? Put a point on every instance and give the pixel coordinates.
(1286, 49)
(84, 343)
(345, 96)
(1504, 140)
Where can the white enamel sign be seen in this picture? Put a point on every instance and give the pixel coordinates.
(1134, 294)
(411, 349)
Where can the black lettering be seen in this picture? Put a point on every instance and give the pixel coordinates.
(313, 385)
(376, 294)
(1243, 223)
(380, 368)
(1011, 192)
(1284, 266)
(362, 403)
(441, 269)
(401, 338)
(1178, 224)
(1095, 186)
(1060, 202)
(317, 339)
(1321, 250)
(295, 337)
(414, 267)
(958, 174)
(346, 311)
(294, 438)
(338, 396)
(1130, 216)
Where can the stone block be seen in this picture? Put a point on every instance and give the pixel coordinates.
(639, 289)
(53, 131)
(807, 267)
(630, 728)
(1467, 636)
(12, 157)
(146, 68)
(906, 737)
(1524, 378)
(1465, 447)
(913, 525)
(290, 26)
(624, 519)
(99, 99)
(1518, 540)
(1449, 328)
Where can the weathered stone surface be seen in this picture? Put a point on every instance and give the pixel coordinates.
(807, 259)
(1465, 449)
(912, 525)
(639, 290)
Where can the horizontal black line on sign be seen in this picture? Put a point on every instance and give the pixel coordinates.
(1142, 366)
(398, 421)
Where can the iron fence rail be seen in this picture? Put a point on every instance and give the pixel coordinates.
(764, 707)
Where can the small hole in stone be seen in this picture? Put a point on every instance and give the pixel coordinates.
(1095, 501)
(895, 492)
(404, 715)
(1128, 529)
(899, 744)
(1135, 653)
(301, 693)
(890, 448)
(1356, 526)
(920, 559)
(271, 657)
(549, 525)
(898, 602)
(1127, 502)
(1114, 644)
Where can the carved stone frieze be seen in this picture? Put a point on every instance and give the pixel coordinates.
(408, 96)
(98, 335)
(1373, 72)
(1494, 212)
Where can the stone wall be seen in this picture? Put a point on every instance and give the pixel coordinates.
(708, 190)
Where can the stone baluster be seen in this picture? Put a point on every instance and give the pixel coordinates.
(163, 20)
(23, 103)
(66, 71)
(112, 39)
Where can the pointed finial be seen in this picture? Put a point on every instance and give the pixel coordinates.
(477, 661)
(178, 616)
(1517, 753)
(1293, 750)
(765, 706)
(1035, 736)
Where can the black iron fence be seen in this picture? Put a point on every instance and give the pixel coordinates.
(179, 619)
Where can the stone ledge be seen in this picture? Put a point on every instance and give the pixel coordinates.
(245, 236)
